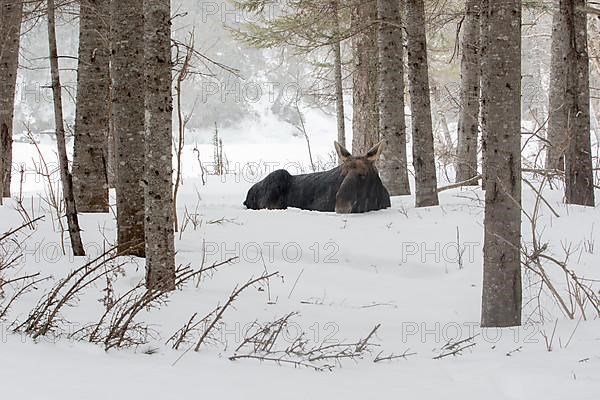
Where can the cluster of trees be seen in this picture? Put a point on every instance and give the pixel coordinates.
(490, 107)
(215, 94)
(123, 135)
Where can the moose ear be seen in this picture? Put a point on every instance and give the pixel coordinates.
(375, 152)
(342, 152)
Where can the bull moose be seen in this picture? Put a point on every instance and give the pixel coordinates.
(352, 187)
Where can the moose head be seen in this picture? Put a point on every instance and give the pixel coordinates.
(361, 189)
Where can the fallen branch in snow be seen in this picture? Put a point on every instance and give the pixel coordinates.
(282, 360)
(393, 356)
(211, 320)
(459, 184)
(221, 310)
(45, 316)
(11, 252)
(118, 327)
(456, 348)
(517, 350)
(265, 336)
(263, 341)
(374, 304)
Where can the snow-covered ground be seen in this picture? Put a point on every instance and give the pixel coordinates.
(343, 274)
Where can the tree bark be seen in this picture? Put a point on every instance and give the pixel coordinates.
(426, 194)
(392, 125)
(594, 49)
(65, 175)
(339, 86)
(485, 85)
(127, 72)
(468, 126)
(11, 13)
(558, 111)
(160, 245)
(112, 142)
(90, 157)
(579, 188)
(594, 45)
(365, 118)
(4, 144)
(501, 303)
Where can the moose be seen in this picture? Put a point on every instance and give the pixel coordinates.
(352, 187)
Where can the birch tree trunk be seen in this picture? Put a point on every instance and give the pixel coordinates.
(501, 303)
(90, 156)
(11, 13)
(160, 245)
(558, 111)
(392, 126)
(579, 188)
(468, 126)
(65, 175)
(365, 118)
(421, 122)
(127, 73)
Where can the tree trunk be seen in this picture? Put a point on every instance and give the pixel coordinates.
(421, 121)
(594, 45)
(127, 69)
(365, 119)
(160, 245)
(468, 127)
(392, 125)
(112, 143)
(4, 144)
(501, 303)
(446, 131)
(11, 13)
(484, 38)
(65, 175)
(594, 49)
(538, 104)
(90, 157)
(558, 111)
(339, 86)
(579, 188)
